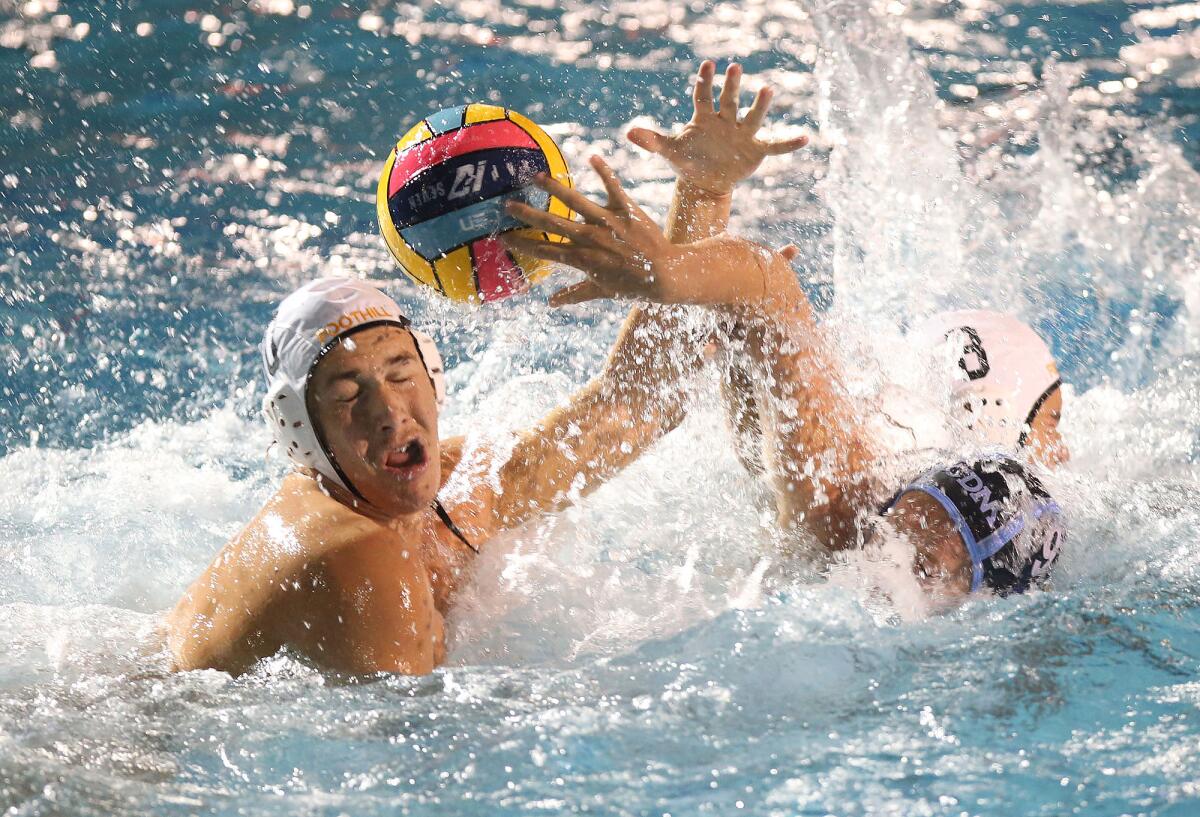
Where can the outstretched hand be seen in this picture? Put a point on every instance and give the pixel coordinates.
(625, 254)
(622, 250)
(715, 150)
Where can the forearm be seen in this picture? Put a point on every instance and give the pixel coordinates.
(739, 400)
(817, 451)
(696, 213)
(723, 270)
(636, 399)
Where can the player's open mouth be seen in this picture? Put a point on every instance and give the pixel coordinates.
(406, 461)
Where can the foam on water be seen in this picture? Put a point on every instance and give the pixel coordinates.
(644, 652)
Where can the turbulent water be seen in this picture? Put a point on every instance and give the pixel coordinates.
(168, 171)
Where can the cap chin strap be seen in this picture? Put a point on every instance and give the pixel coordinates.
(1037, 406)
(430, 360)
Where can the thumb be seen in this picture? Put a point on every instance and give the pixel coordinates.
(647, 139)
(785, 146)
(579, 293)
(789, 251)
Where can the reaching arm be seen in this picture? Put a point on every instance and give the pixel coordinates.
(818, 449)
(607, 425)
(818, 454)
(714, 151)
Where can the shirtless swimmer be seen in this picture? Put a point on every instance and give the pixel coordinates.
(354, 561)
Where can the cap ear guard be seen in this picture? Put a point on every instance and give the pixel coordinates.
(286, 414)
(432, 359)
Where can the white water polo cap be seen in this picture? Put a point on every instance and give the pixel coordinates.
(1003, 371)
(308, 323)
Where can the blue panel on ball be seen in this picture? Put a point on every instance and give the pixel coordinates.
(446, 120)
(434, 238)
(463, 181)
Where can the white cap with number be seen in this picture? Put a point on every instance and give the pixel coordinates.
(1003, 371)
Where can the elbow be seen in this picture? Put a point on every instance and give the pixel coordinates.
(189, 641)
(186, 648)
(673, 417)
(179, 626)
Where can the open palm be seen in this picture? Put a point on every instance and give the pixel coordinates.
(715, 150)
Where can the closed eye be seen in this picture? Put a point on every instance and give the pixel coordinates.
(401, 370)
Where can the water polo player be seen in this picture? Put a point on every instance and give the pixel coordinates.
(979, 524)
(354, 561)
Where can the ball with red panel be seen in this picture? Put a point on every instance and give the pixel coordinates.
(441, 200)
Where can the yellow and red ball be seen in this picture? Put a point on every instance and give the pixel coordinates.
(441, 200)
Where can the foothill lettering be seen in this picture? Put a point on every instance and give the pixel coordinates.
(349, 319)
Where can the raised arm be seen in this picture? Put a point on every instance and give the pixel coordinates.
(712, 153)
(818, 454)
(638, 396)
(635, 400)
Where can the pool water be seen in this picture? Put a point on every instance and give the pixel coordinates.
(168, 171)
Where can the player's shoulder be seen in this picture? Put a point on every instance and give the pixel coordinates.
(470, 479)
(451, 451)
(312, 519)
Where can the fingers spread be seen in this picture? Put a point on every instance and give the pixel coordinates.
(569, 254)
(592, 212)
(730, 90)
(616, 194)
(603, 268)
(785, 145)
(579, 293)
(702, 92)
(758, 111)
(549, 221)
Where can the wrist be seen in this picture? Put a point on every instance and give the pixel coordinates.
(697, 192)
